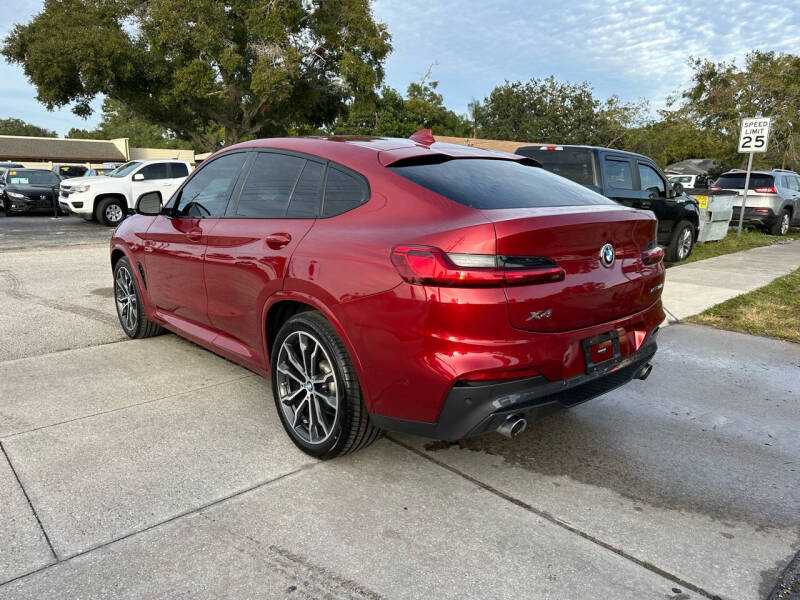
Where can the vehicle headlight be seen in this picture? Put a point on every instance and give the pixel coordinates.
(15, 195)
(84, 187)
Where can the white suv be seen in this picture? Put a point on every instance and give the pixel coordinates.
(107, 198)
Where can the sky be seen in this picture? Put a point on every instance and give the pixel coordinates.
(635, 49)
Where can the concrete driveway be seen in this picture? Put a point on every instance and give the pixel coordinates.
(156, 469)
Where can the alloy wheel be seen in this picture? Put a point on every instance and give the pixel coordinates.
(307, 388)
(126, 300)
(785, 224)
(685, 243)
(113, 213)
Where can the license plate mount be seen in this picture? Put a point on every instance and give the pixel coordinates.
(602, 352)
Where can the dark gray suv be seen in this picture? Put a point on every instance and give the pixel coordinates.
(773, 199)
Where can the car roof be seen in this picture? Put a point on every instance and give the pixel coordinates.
(772, 172)
(362, 151)
(149, 160)
(584, 147)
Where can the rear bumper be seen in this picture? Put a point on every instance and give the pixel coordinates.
(758, 216)
(473, 410)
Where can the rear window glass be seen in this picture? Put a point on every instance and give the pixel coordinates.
(735, 181)
(495, 183)
(576, 165)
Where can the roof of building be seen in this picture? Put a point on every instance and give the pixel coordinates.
(58, 149)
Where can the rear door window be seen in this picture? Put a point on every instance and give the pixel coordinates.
(307, 194)
(269, 186)
(618, 174)
(485, 183)
(177, 170)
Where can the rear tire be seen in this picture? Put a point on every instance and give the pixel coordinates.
(681, 243)
(781, 226)
(316, 389)
(128, 301)
(110, 211)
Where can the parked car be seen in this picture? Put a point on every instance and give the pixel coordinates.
(402, 285)
(109, 198)
(67, 171)
(773, 198)
(28, 190)
(630, 179)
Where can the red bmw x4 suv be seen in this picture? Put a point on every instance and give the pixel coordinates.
(391, 284)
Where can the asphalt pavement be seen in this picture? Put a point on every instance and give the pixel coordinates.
(153, 468)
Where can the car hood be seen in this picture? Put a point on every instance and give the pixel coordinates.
(79, 180)
(30, 188)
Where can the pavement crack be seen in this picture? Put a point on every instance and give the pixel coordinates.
(16, 290)
(127, 406)
(186, 513)
(30, 504)
(556, 521)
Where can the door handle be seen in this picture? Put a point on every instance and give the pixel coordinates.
(276, 241)
(194, 235)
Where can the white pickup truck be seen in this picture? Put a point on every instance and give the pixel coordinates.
(107, 198)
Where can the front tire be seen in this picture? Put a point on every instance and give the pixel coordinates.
(129, 303)
(781, 226)
(316, 389)
(681, 242)
(110, 211)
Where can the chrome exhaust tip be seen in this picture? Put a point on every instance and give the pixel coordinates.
(644, 372)
(513, 426)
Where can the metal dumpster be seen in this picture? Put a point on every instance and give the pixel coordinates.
(716, 210)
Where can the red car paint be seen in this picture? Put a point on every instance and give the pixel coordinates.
(215, 280)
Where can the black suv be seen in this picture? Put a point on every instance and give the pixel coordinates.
(630, 179)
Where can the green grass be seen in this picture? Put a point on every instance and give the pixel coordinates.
(772, 311)
(751, 238)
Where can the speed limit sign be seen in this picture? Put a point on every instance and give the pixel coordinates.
(754, 135)
(753, 138)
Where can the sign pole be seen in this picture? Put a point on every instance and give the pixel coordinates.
(744, 197)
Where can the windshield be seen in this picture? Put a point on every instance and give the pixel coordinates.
(30, 177)
(124, 169)
(492, 183)
(735, 181)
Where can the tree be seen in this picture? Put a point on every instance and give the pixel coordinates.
(20, 127)
(201, 67)
(546, 110)
(118, 121)
(767, 85)
(395, 116)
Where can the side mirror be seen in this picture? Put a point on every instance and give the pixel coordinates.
(138, 177)
(149, 204)
(677, 188)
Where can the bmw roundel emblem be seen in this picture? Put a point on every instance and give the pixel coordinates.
(607, 255)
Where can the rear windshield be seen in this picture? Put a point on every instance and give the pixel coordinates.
(495, 183)
(735, 181)
(570, 163)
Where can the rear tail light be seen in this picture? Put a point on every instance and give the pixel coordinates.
(652, 256)
(766, 190)
(426, 265)
(714, 187)
(761, 210)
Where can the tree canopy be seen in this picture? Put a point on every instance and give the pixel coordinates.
(206, 69)
(20, 127)
(118, 121)
(547, 110)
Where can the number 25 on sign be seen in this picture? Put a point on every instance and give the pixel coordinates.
(753, 137)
